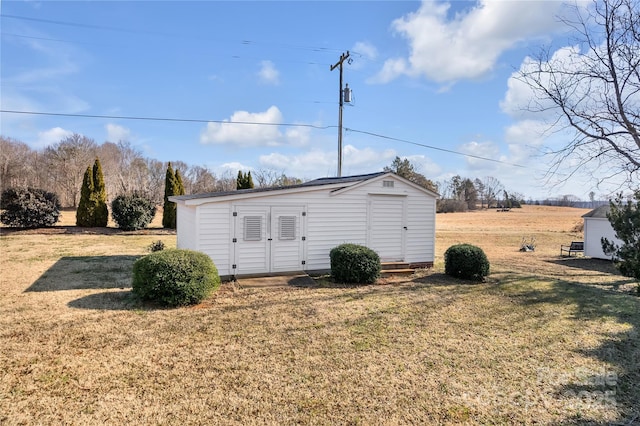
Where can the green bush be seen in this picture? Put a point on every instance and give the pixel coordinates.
(131, 212)
(175, 277)
(353, 263)
(466, 261)
(29, 208)
(92, 209)
(156, 246)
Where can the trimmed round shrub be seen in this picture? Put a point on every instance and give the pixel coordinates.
(131, 212)
(466, 261)
(175, 277)
(355, 264)
(29, 208)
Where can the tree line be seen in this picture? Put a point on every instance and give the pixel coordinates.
(460, 194)
(60, 168)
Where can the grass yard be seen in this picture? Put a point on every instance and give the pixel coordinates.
(546, 340)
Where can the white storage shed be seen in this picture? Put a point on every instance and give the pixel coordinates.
(288, 229)
(596, 226)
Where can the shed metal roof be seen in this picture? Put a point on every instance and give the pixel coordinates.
(312, 183)
(599, 212)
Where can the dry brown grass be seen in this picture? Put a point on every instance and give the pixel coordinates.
(545, 341)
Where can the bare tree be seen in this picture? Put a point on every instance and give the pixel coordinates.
(226, 182)
(201, 180)
(271, 178)
(492, 189)
(266, 178)
(15, 157)
(481, 191)
(594, 90)
(66, 162)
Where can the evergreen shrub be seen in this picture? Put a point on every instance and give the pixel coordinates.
(29, 208)
(92, 209)
(353, 263)
(175, 277)
(466, 261)
(101, 212)
(131, 212)
(87, 205)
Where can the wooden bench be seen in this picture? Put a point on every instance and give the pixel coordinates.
(575, 247)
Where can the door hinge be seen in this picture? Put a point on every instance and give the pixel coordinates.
(235, 240)
(235, 214)
(304, 213)
(304, 262)
(233, 266)
(304, 238)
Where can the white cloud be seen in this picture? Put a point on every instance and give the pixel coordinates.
(537, 128)
(298, 136)
(526, 132)
(117, 133)
(425, 166)
(309, 164)
(51, 136)
(446, 47)
(391, 69)
(317, 163)
(264, 131)
(521, 101)
(268, 73)
(481, 149)
(234, 166)
(365, 49)
(366, 158)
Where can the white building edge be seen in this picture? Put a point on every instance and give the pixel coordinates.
(288, 229)
(596, 227)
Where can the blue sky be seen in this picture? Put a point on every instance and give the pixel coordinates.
(432, 74)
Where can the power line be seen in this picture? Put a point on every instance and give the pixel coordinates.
(377, 135)
(110, 44)
(312, 126)
(179, 120)
(170, 35)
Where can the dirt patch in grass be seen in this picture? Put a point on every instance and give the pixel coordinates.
(546, 340)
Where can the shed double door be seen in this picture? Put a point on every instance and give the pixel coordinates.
(268, 239)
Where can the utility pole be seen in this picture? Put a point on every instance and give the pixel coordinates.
(343, 58)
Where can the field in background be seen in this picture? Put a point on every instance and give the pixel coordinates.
(547, 340)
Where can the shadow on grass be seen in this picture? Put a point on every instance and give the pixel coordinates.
(586, 263)
(94, 273)
(75, 230)
(86, 272)
(109, 301)
(618, 384)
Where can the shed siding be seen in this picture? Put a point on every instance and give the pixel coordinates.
(186, 225)
(332, 218)
(594, 229)
(420, 244)
(387, 226)
(215, 233)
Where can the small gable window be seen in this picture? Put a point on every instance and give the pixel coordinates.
(387, 184)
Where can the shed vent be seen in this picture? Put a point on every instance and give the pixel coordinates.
(287, 227)
(253, 228)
